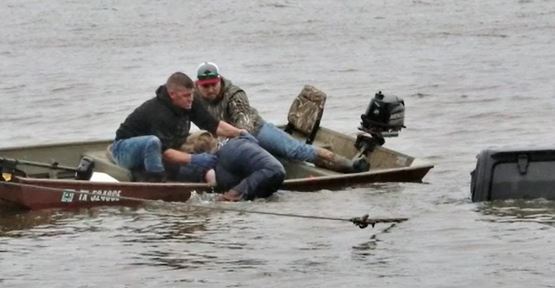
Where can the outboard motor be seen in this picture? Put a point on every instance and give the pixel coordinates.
(384, 117)
(85, 168)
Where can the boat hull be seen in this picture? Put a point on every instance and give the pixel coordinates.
(54, 188)
(339, 182)
(28, 193)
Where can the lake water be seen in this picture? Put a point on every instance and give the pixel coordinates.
(473, 74)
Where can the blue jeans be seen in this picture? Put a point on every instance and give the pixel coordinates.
(190, 173)
(142, 152)
(281, 144)
(248, 169)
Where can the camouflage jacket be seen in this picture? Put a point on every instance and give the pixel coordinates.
(232, 106)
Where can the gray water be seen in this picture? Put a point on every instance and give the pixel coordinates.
(473, 74)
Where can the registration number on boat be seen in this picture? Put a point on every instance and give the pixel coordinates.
(70, 195)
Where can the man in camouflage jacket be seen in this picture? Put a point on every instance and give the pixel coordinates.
(228, 102)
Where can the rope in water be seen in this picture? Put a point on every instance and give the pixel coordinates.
(361, 222)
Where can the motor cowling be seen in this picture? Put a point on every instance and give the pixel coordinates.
(84, 169)
(385, 113)
(384, 117)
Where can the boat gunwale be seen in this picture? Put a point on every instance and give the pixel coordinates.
(361, 174)
(56, 144)
(31, 180)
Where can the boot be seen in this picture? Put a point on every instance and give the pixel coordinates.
(335, 162)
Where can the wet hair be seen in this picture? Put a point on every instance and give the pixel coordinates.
(199, 142)
(179, 80)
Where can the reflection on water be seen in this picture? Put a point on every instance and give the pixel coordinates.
(363, 250)
(13, 223)
(518, 210)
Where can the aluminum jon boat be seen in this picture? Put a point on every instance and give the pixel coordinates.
(44, 176)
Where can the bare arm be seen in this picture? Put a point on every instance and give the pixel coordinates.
(176, 157)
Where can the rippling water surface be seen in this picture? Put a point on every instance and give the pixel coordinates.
(474, 74)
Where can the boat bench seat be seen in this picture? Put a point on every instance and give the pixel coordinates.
(103, 163)
(306, 112)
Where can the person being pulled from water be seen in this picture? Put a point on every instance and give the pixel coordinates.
(148, 141)
(244, 170)
(229, 103)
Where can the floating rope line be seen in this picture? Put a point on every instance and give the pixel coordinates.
(361, 222)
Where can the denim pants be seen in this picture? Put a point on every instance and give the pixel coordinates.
(189, 173)
(142, 152)
(281, 144)
(248, 169)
